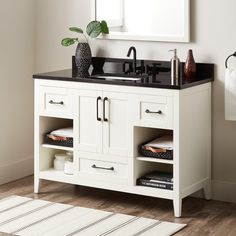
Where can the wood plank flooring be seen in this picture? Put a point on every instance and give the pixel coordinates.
(203, 217)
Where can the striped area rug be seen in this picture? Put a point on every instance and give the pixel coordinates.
(29, 217)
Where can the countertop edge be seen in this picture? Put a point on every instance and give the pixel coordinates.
(84, 80)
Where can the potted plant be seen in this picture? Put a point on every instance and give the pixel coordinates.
(83, 55)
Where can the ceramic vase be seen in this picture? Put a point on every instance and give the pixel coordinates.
(83, 59)
(190, 68)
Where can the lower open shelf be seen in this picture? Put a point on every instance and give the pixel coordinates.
(56, 175)
(59, 176)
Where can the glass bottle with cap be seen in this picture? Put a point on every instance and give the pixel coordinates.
(68, 166)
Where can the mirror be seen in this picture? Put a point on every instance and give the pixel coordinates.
(149, 20)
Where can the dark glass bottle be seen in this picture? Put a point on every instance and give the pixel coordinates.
(190, 68)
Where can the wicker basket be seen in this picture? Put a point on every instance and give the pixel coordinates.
(168, 155)
(64, 143)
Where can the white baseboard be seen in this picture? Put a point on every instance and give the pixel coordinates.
(224, 191)
(16, 170)
(221, 191)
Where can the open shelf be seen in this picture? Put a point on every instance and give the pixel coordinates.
(58, 147)
(49, 124)
(46, 163)
(150, 159)
(145, 164)
(56, 175)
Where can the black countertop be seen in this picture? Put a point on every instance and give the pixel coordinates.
(161, 79)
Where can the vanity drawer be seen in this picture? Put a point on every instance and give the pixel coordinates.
(56, 102)
(156, 111)
(103, 171)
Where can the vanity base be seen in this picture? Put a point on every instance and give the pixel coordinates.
(140, 190)
(110, 122)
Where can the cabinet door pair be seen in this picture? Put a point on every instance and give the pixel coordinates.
(103, 120)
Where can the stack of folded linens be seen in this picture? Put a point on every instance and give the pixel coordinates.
(161, 147)
(60, 137)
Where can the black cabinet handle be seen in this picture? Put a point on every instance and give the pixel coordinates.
(104, 109)
(98, 99)
(103, 168)
(153, 112)
(56, 103)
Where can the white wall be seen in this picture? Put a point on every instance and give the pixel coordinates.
(213, 38)
(53, 19)
(16, 88)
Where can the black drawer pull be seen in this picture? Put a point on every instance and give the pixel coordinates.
(103, 168)
(104, 109)
(56, 103)
(153, 112)
(98, 118)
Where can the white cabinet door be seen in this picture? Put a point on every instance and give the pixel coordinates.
(90, 121)
(115, 123)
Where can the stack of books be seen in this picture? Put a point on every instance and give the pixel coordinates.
(157, 179)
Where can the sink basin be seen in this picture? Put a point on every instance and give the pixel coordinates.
(113, 77)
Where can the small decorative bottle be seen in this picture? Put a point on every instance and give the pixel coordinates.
(190, 68)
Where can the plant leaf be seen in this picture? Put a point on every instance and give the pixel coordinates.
(68, 41)
(76, 29)
(105, 29)
(94, 29)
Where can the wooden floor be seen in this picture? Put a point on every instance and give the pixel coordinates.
(203, 217)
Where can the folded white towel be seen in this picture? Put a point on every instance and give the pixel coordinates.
(230, 94)
(65, 132)
(164, 142)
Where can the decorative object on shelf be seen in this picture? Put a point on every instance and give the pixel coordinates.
(83, 54)
(59, 161)
(157, 179)
(60, 137)
(159, 148)
(68, 167)
(190, 67)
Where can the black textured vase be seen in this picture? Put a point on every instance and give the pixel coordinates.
(83, 58)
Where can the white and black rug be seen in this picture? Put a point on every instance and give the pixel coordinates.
(26, 216)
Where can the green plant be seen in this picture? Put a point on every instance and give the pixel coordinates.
(94, 29)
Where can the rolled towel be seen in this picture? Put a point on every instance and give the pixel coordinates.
(230, 94)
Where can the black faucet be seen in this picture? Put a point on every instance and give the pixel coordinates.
(134, 57)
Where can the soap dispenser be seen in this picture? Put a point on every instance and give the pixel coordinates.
(175, 64)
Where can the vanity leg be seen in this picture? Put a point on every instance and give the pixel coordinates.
(177, 202)
(207, 191)
(37, 184)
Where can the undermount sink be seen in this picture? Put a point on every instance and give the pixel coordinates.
(113, 77)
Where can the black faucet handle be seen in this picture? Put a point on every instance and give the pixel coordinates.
(140, 70)
(153, 69)
(127, 67)
(149, 69)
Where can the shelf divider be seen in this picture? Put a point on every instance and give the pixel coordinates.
(57, 147)
(150, 159)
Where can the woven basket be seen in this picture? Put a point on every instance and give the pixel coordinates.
(168, 155)
(64, 143)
